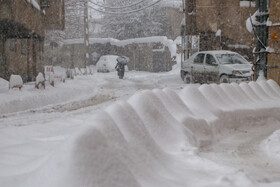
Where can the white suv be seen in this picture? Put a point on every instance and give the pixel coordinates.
(216, 67)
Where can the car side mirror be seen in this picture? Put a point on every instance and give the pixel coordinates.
(214, 63)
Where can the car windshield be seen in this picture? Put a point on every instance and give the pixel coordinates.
(231, 59)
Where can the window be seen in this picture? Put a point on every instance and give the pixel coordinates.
(199, 59)
(24, 46)
(13, 45)
(210, 60)
(231, 59)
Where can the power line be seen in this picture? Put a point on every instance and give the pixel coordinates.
(128, 6)
(128, 12)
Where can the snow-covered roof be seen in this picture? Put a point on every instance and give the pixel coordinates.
(121, 43)
(172, 3)
(247, 4)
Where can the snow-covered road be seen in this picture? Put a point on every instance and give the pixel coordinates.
(104, 131)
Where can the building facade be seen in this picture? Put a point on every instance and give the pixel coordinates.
(22, 31)
(220, 24)
(273, 65)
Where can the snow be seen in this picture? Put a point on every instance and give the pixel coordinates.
(3, 84)
(15, 80)
(121, 43)
(40, 78)
(158, 132)
(247, 4)
(238, 46)
(249, 23)
(218, 33)
(271, 145)
(172, 4)
(34, 4)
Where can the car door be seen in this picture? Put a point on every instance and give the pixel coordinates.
(211, 69)
(198, 68)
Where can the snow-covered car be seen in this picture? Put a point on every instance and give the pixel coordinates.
(107, 63)
(216, 67)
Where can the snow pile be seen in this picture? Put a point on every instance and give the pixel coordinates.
(149, 139)
(271, 145)
(16, 80)
(40, 78)
(12, 101)
(4, 85)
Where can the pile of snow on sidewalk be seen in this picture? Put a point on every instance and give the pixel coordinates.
(151, 139)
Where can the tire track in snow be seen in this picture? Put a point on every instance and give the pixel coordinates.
(240, 149)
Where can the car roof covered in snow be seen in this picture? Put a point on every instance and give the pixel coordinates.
(217, 52)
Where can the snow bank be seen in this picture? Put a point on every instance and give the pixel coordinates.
(148, 139)
(271, 145)
(12, 101)
(40, 78)
(15, 80)
(4, 85)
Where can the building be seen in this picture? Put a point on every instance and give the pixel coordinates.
(22, 30)
(220, 24)
(173, 10)
(273, 68)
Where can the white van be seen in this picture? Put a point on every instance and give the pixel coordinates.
(216, 67)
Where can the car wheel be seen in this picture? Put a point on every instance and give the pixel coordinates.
(224, 79)
(188, 78)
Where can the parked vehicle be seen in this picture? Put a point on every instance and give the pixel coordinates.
(216, 67)
(107, 63)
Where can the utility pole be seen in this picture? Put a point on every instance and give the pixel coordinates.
(183, 33)
(262, 40)
(86, 34)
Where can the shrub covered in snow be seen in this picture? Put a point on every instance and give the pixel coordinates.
(40, 80)
(16, 82)
(77, 71)
(70, 74)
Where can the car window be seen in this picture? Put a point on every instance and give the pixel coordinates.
(199, 58)
(231, 59)
(210, 60)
